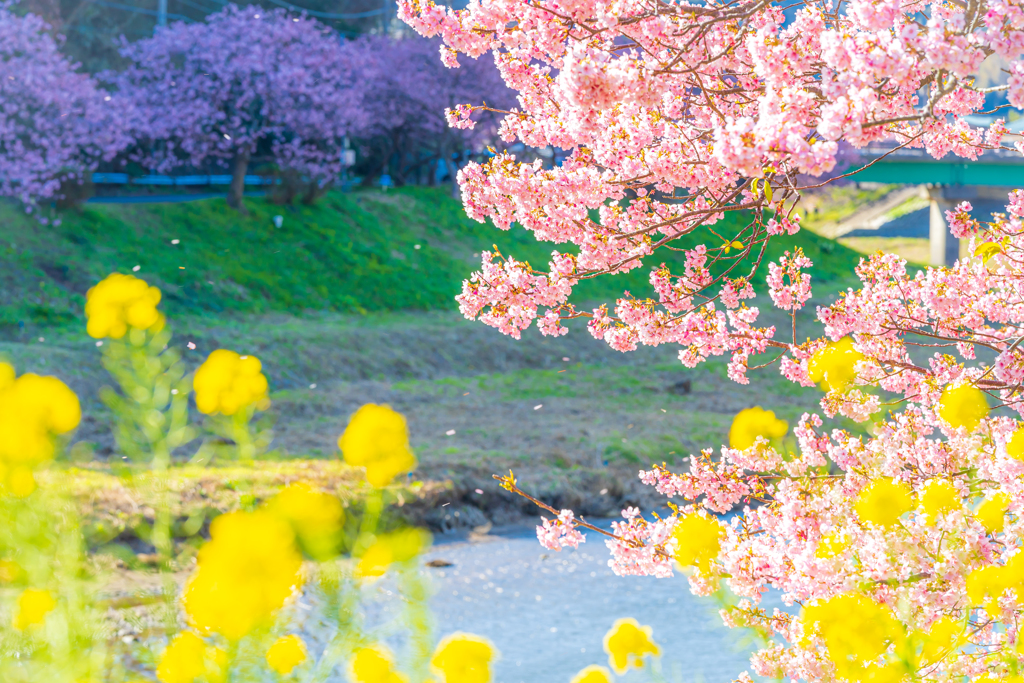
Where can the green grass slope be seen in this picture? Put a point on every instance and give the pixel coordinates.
(408, 249)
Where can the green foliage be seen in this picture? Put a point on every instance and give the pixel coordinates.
(350, 252)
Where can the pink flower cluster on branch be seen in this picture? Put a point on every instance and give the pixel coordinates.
(675, 114)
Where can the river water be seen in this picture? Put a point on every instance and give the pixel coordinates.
(547, 612)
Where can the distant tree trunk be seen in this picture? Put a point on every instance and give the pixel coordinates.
(453, 171)
(431, 174)
(239, 165)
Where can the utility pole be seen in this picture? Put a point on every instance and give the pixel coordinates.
(161, 13)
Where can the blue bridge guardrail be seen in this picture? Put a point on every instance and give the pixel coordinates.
(176, 181)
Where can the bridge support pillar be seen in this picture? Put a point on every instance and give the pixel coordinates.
(943, 247)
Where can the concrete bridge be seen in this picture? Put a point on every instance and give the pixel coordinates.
(947, 182)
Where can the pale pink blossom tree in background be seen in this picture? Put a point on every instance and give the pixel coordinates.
(55, 123)
(248, 81)
(409, 91)
(897, 543)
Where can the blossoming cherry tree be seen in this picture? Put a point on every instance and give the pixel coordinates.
(897, 543)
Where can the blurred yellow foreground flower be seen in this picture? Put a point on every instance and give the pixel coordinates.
(698, 540)
(120, 302)
(188, 658)
(286, 653)
(963, 405)
(316, 518)
(387, 549)
(856, 630)
(463, 658)
(377, 438)
(627, 643)
(33, 606)
(751, 423)
(593, 674)
(227, 382)
(245, 573)
(938, 498)
(32, 410)
(374, 665)
(834, 366)
(883, 502)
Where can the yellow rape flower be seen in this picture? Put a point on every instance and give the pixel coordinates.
(246, 572)
(9, 571)
(833, 545)
(1015, 444)
(32, 410)
(987, 584)
(463, 658)
(316, 518)
(856, 630)
(992, 512)
(120, 302)
(227, 382)
(883, 502)
(944, 635)
(33, 606)
(593, 674)
(627, 643)
(188, 658)
(834, 366)
(286, 653)
(699, 540)
(963, 405)
(751, 423)
(377, 438)
(374, 665)
(387, 549)
(939, 497)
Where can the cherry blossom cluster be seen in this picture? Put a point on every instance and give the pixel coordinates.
(55, 123)
(910, 526)
(896, 542)
(674, 115)
(246, 79)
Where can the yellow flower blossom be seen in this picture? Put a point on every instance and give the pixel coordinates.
(855, 629)
(987, 584)
(1015, 444)
(939, 497)
(316, 518)
(627, 643)
(699, 540)
(883, 502)
(32, 410)
(187, 659)
(227, 382)
(387, 549)
(463, 658)
(9, 571)
(593, 674)
(751, 423)
(834, 366)
(377, 438)
(33, 606)
(246, 572)
(992, 512)
(943, 636)
(833, 545)
(120, 302)
(374, 665)
(286, 653)
(963, 405)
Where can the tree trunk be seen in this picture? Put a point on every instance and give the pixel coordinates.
(239, 165)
